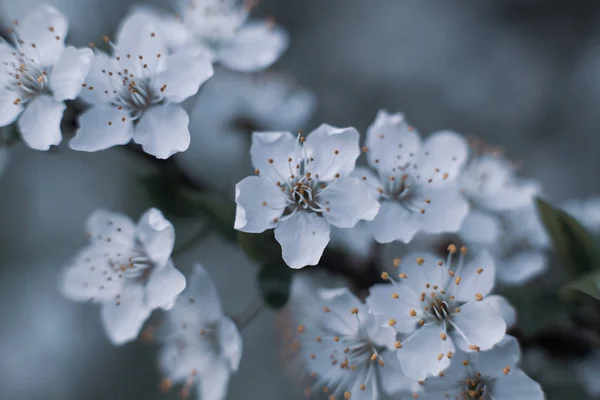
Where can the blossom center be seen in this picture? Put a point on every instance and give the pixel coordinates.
(475, 387)
(27, 78)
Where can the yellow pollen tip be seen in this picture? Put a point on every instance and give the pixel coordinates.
(451, 248)
(385, 276)
(398, 345)
(420, 260)
(402, 276)
(395, 295)
(392, 322)
(396, 262)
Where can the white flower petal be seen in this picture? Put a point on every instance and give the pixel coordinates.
(491, 363)
(382, 303)
(231, 343)
(303, 238)
(393, 222)
(102, 127)
(40, 123)
(277, 147)
(340, 301)
(357, 240)
(476, 278)
(521, 267)
(70, 72)
(182, 75)
(98, 81)
(163, 130)
(163, 286)
(123, 319)
(420, 355)
(516, 385)
(255, 46)
(9, 111)
(109, 227)
(157, 235)
(480, 228)
(442, 157)
(446, 210)
(391, 142)
(214, 381)
(502, 307)
(334, 151)
(393, 379)
(347, 201)
(482, 325)
(259, 202)
(47, 28)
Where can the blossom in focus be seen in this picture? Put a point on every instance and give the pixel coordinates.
(415, 179)
(439, 306)
(135, 93)
(491, 374)
(127, 269)
(230, 107)
(303, 187)
(349, 352)
(37, 74)
(222, 31)
(201, 347)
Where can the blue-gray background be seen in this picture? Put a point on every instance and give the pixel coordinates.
(523, 74)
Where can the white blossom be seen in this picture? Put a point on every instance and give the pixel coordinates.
(126, 269)
(303, 187)
(201, 347)
(37, 74)
(439, 306)
(415, 179)
(586, 211)
(230, 107)
(135, 93)
(491, 374)
(349, 352)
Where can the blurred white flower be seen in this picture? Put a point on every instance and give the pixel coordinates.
(37, 74)
(220, 30)
(135, 93)
(416, 180)
(303, 187)
(349, 352)
(200, 345)
(588, 372)
(586, 211)
(230, 107)
(127, 269)
(439, 306)
(492, 374)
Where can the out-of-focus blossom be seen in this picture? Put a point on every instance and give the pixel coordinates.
(491, 374)
(589, 370)
(127, 269)
(135, 93)
(229, 108)
(349, 352)
(586, 211)
(302, 188)
(416, 180)
(37, 74)
(201, 347)
(439, 306)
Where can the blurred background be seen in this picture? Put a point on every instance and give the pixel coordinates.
(521, 74)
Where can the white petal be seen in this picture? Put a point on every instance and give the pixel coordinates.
(163, 286)
(480, 228)
(163, 130)
(275, 146)
(442, 157)
(259, 202)
(157, 235)
(357, 240)
(201, 296)
(303, 238)
(347, 201)
(476, 278)
(393, 222)
(256, 46)
(9, 111)
(393, 378)
(98, 80)
(446, 210)
(382, 303)
(391, 142)
(521, 267)
(517, 385)
(102, 127)
(492, 362)
(334, 151)
(182, 75)
(340, 301)
(419, 354)
(109, 227)
(40, 123)
(137, 37)
(230, 341)
(502, 307)
(482, 325)
(214, 382)
(70, 72)
(123, 319)
(47, 28)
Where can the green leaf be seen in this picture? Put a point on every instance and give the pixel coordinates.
(274, 282)
(575, 247)
(588, 284)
